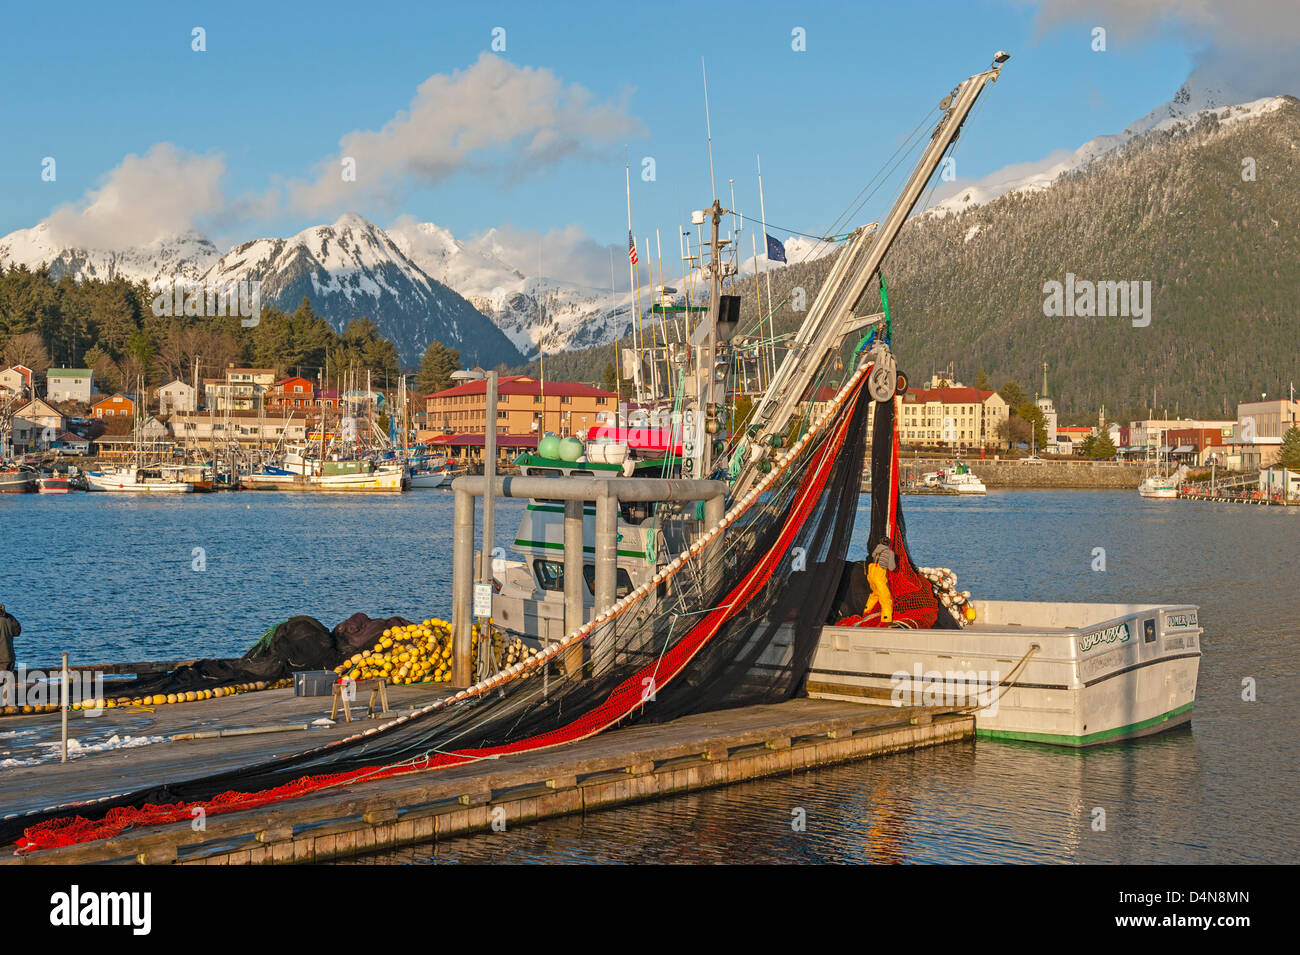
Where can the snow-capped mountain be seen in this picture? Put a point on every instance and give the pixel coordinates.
(532, 311)
(1190, 104)
(185, 256)
(353, 269)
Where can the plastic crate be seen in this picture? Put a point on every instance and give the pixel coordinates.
(314, 682)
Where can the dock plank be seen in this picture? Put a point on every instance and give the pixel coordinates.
(628, 764)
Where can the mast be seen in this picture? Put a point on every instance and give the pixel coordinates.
(771, 321)
(618, 351)
(633, 297)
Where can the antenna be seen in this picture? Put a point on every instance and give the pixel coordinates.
(708, 128)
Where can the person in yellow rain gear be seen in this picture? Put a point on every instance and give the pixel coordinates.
(878, 580)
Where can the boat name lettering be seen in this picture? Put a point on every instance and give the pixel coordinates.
(1181, 621)
(1118, 633)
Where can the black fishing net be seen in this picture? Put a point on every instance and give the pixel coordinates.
(734, 622)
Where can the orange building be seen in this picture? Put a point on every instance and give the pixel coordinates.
(114, 406)
(524, 407)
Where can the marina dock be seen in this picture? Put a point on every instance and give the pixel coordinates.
(632, 764)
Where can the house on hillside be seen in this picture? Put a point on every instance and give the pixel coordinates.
(16, 381)
(69, 384)
(113, 406)
(177, 395)
(36, 424)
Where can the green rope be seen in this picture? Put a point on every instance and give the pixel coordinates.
(884, 306)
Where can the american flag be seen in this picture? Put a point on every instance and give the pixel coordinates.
(631, 248)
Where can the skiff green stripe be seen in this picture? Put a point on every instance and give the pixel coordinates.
(587, 550)
(557, 508)
(1100, 736)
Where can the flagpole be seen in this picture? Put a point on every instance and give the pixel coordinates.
(771, 321)
(633, 292)
(618, 351)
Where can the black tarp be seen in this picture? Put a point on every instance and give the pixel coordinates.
(299, 643)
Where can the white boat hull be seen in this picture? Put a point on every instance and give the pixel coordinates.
(1159, 492)
(1102, 673)
(382, 479)
(126, 484)
(428, 479)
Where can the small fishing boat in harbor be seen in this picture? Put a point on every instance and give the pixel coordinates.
(1158, 486)
(17, 480)
(56, 484)
(137, 480)
(306, 475)
(956, 480)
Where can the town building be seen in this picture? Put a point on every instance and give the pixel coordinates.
(16, 381)
(953, 417)
(113, 406)
(69, 384)
(1050, 429)
(525, 406)
(1199, 445)
(294, 393)
(1069, 438)
(177, 395)
(242, 389)
(247, 428)
(1272, 418)
(35, 426)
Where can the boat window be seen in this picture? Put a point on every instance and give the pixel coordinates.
(550, 574)
(622, 582)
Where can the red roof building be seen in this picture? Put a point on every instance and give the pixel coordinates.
(958, 417)
(525, 406)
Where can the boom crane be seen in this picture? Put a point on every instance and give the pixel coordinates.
(831, 316)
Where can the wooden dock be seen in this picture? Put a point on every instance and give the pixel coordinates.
(622, 766)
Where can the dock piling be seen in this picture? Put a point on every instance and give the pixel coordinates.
(462, 673)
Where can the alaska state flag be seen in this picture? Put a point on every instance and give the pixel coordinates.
(775, 250)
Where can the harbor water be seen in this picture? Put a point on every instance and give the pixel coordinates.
(110, 578)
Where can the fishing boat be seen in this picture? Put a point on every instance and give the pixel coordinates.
(56, 484)
(301, 474)
(428, 472)
(528, 602)
(137, 480)
(1070, 674)
(198, 476)
(417, 478)
(1159, 486)
(1067, 674)
(17, 480)
(958, 480)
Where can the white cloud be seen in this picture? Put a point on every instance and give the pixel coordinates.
(162, 193)
(1247, 47)
(493, 116)
(568, 255)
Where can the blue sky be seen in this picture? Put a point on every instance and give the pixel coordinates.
(278, 88)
